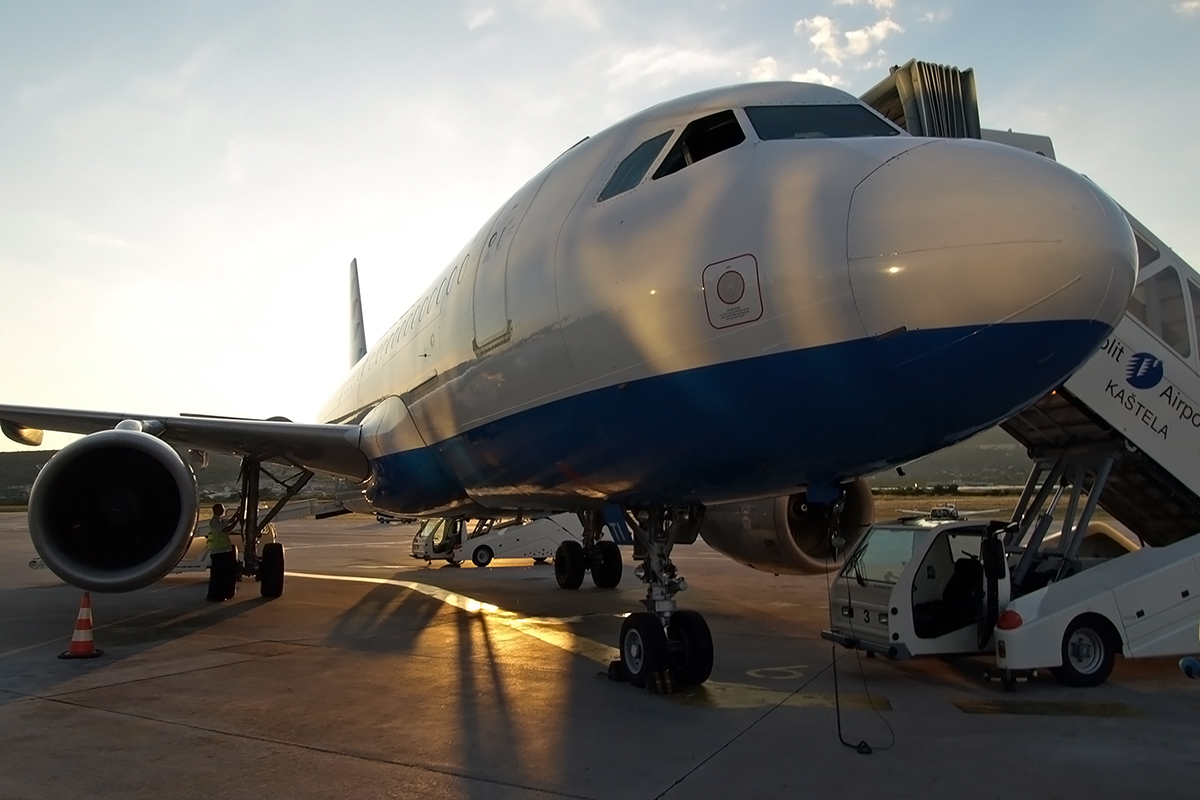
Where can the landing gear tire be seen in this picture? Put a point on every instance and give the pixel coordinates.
(270, 570)
(482, 556)
(569, 564)
(690, 648)
(1088, 653)
(643, 648)
(606, 565)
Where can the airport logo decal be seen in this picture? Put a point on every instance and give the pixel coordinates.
(1144, 371)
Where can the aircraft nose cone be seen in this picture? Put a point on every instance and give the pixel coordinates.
(977, 264)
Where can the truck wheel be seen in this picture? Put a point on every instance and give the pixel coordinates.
(270, 570)
(569, 564)
(482, 556)
(606, 565)
(1088, 652)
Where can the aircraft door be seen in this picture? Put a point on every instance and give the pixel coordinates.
(493, 327)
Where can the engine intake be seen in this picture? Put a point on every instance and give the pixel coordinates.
(788, 535)
(114, 511)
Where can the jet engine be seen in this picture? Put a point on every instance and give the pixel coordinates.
(788, 534)
(113, 511)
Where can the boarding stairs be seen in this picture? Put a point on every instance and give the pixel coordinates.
(1137, 396)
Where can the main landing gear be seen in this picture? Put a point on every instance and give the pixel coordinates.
(601, 556)
(662, 647)
(266, 566)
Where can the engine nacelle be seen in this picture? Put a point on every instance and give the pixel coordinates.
(113, 511)
(787, 535)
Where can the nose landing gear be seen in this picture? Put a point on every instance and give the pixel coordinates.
(662, 647)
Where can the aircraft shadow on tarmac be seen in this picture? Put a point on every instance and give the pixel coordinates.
(388, 619)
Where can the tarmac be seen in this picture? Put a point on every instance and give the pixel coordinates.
(375, 676)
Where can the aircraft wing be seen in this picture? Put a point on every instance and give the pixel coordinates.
(321, 448)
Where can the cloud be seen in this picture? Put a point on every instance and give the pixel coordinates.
(940, 16)
(172, 84)
(876, 3)
(815, 75)
(837, 47)
(101, 240)
(582, 13)
(1186, 8)
(766, 69)
(664, 63)
(32, 96)
(480, 17)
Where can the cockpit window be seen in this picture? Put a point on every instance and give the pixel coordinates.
(700, 139)
(816, 122)
(633, 167)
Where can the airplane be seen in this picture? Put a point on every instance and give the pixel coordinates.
(713, 317)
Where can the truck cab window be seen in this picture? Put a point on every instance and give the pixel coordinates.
(633, 167)
(700, 139)
(883, 556)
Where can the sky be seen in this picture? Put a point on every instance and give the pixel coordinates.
(183, 185)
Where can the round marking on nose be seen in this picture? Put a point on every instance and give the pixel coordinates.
(730, 287)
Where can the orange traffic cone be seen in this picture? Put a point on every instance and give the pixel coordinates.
(81, 641)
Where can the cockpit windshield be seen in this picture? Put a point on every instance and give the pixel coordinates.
(816, 122)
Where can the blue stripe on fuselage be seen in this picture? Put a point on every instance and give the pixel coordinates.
(758, 426)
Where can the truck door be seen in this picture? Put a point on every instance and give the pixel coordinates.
(948, 593)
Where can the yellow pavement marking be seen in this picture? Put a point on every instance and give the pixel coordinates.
(713, 694)
(778, 673)
(1045, 708)
(550, 634)
(719, 694)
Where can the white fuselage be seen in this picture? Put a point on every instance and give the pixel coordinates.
(780, 312)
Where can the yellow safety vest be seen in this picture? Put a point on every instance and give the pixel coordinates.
(218, 537)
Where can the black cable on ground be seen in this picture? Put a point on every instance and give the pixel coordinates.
(863, 747)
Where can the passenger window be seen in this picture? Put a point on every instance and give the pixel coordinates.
(700, 139)
(816, 122)
(1158, 302)
(633, 167)
(1147, 253)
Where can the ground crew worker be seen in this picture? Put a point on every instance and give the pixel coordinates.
(222, 567)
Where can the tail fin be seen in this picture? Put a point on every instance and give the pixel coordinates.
(358, 334)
